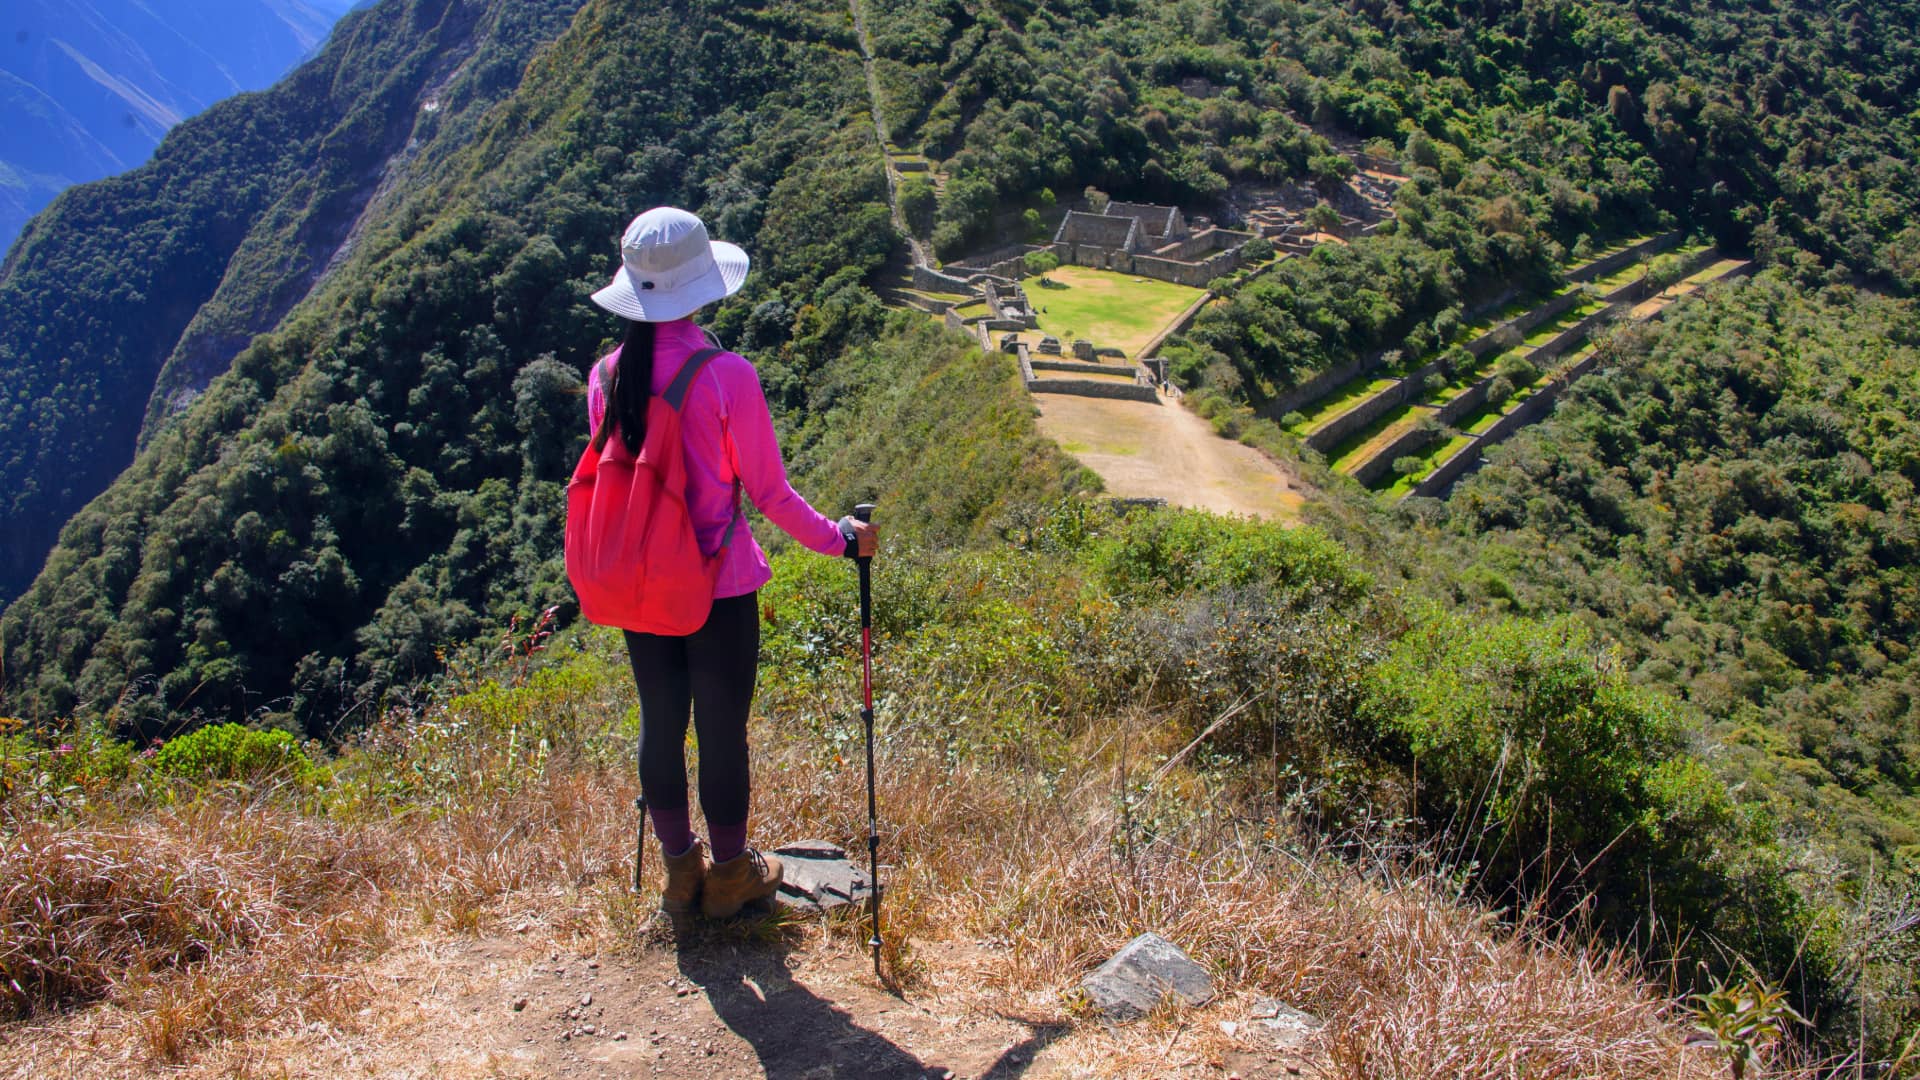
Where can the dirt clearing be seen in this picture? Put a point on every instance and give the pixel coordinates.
(1164, 451)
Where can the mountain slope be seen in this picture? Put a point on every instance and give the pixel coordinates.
(92, 85)
(357, 491)
(232, 222)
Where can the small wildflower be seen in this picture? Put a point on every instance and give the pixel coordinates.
(64, 748)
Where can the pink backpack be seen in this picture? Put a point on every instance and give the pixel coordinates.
(632, 555)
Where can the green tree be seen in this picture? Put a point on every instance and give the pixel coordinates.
(918, 204)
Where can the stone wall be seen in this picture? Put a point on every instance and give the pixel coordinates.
(981, 260)
(1006, 268)
(928, 304)
(1192, 247)
(1321, 385)
(1470, 399)
(1380, 465)
(1194, 274)
(1007, 261)
(1441, 480)
(1371, 409)
(1095, 388)
(1080, 229)
(931, 280)
(1600, 268)
(1155, 220)
(1366, 412)
(1084, 368)
(1559, 343)
(1507, 333)
(1637, 290)
(1177, 326)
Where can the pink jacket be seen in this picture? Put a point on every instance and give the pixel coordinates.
(729, 435)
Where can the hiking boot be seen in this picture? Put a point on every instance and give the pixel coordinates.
(685, 873)
(739, 881)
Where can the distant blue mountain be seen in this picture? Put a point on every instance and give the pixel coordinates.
(87, 87)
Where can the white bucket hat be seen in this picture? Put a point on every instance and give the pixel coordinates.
(669, 269)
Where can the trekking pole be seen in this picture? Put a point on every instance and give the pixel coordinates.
(864, 512)
(639, 841)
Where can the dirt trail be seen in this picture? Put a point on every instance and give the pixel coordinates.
(746, 1002)
(715, 1010)
(1164, 451)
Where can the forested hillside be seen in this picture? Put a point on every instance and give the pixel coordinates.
(90, 86)
(376, 479)
(129, 294)
(1731, 497)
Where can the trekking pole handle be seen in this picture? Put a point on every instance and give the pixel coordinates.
(864, 514)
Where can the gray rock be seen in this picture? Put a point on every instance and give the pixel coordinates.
(1139, 975)
(1285, 1025)
(819, 878)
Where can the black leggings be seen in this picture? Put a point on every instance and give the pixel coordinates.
(709, 672)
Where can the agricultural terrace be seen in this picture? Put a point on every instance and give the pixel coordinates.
(1112, 310)
(1386, 420)
(1467, 434)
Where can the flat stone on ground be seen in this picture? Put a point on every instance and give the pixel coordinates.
(1287, 1026)
(819, 877)
(1147, 969)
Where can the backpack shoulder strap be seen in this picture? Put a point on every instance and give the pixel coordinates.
(677, 393)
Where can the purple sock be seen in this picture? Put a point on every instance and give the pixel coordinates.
(728, 840)
(673, 827)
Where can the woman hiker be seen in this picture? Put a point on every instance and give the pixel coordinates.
(669, 271)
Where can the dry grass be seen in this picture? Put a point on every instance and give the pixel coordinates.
(225, 916)
(231, 915)
(1413, 984)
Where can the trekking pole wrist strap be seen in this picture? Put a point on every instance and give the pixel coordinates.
(852, 538)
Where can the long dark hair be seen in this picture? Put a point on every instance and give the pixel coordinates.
(632, 387)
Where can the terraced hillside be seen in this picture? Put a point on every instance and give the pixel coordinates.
(1431, 465)
(1327, 411)
(1392, 420)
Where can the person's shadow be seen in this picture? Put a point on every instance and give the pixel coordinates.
(799, 1036)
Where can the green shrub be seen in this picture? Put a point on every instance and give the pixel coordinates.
(918, 204)
(236, 752)
(1539, 763)
(1293, 420)
(86, 760)
(1518, 370)
(1173, 552)
(1499, 390)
